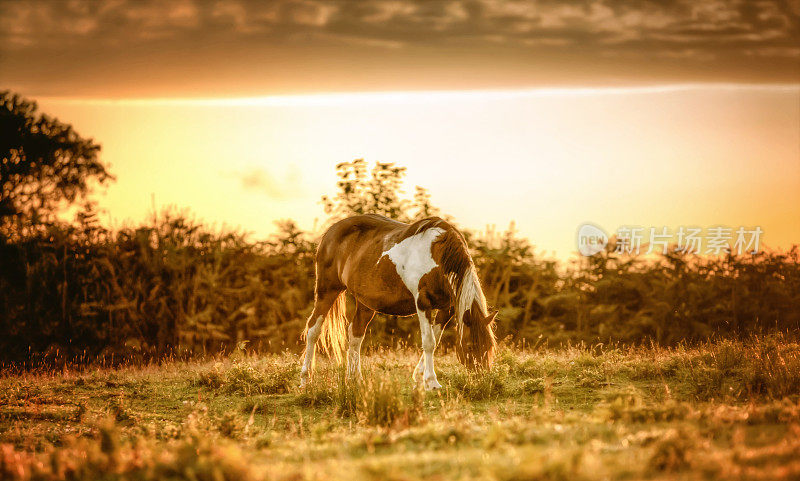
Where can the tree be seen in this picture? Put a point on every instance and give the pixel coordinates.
(43, 163)
(377, 191)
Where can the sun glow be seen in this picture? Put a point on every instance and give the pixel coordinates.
(421, 96)
(547, 158)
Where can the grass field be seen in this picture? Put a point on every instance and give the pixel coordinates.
(726, 410)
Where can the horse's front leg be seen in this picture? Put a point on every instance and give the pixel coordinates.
(442, 318)
(420, 369)
(428, 346)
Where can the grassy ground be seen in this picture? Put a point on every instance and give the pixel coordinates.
(725, 410)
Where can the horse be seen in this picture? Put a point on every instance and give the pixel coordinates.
(397, 269)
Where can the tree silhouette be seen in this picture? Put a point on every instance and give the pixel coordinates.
(375, 191)
(43, 163)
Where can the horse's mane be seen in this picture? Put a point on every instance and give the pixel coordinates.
(459, 269)
(454, 259)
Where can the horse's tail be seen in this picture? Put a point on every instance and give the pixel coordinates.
(333, 337)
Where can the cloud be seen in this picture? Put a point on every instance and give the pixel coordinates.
(260, 180)
(742, 36)
(680, 24)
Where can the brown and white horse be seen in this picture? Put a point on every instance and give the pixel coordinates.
(399, 269)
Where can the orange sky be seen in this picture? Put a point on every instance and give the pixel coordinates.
(549, 159)
(550, 113)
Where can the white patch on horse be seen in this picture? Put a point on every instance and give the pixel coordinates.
(412, 257)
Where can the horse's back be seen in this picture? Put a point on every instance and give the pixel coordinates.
(366, 224)
(356, 228)
(355, 239)
(351, 253)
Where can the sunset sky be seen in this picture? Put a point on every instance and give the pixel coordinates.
(549, 113)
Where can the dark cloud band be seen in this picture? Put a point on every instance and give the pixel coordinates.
(763, 35)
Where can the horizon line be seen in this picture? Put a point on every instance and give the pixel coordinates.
(338, 98)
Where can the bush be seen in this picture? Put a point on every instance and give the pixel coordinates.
(250, 377)
(673, 452)
(385, 405)
(376, 400)
(479, 386)
(107, 457)
(761, 366)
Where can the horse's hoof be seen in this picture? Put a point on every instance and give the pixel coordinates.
(432, 385)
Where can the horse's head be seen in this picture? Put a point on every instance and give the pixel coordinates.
(477, 343)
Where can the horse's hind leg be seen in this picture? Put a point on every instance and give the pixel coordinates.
(323, 302)
(356, 333)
